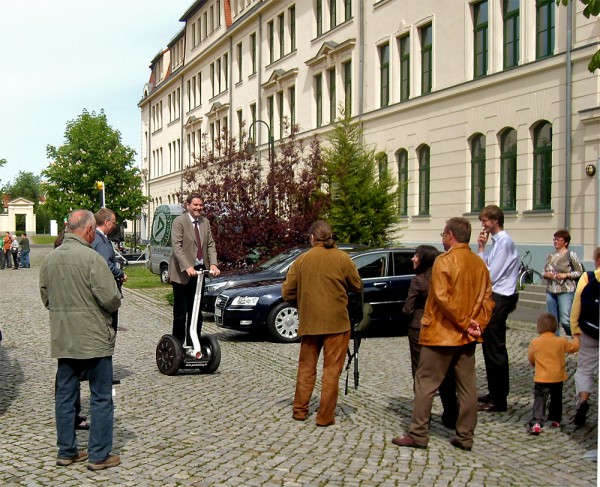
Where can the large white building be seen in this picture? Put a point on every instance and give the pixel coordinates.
(474, 102)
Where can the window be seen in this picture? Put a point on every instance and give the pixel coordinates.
(508, 170)
(477, 172)
(292, 97)
(218, 74)
(426, 59)
(384, 75)
(319, 99)
(271, 113)
(511, 33)
(212, 78)
(205, 25)
(292, 21)
(480, 38)
(332, 14)
(424, 182)
(402, 191)
(404, 67)
(271, 36)
(253, 124)
(239, 61)
(347, 9)
(226, 70)
(281, 25)
(382, 164)
(332, 100)
(240, 120)
(218, 13)
(348, 87)
(545, 11)
(253, 52)
(372, 265)
(280, 109)
(319, 14)
(542, 166)
(212, 18)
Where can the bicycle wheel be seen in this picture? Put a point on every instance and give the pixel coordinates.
(530, 276)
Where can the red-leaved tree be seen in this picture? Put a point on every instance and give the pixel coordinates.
(257, 210)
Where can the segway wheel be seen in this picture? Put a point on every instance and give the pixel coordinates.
(169, 355)
(212, 351)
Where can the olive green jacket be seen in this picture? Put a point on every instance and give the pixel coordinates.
(80, 292)
(318, 281)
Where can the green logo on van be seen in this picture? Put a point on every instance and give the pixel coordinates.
(161, 228)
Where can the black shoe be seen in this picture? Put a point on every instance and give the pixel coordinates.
(581, 414)
(454, 442)
(490, 407)
(484, 398)
(116, 382)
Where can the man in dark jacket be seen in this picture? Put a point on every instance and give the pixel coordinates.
(80, 292)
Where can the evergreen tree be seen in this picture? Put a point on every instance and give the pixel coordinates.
(363, 206)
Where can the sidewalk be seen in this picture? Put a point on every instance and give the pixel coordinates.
(234, 428)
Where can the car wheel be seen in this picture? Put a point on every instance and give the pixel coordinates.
(169, 355)
(212, 350)
(282, 323)
(164, 274)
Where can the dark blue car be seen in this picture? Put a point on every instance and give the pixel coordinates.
(259, 306)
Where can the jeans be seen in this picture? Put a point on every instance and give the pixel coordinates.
(6, 259)
(99, 372)
(25, 258)
(559, 305)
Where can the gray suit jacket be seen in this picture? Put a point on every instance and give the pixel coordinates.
(184, 247)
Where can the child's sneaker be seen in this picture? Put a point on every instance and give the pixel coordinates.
(555, 424)
(535, 429)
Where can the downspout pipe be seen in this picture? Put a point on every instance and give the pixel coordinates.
(568, 116)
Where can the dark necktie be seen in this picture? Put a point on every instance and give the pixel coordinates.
(198, 241)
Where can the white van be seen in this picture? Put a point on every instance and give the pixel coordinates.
(160, 239)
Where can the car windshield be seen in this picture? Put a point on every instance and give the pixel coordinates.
(274, 263)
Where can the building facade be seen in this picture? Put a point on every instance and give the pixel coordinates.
(471, 101)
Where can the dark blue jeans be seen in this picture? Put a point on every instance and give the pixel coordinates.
(100, 373)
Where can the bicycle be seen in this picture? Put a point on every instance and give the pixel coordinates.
(527, 275)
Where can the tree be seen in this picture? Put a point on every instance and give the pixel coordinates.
(2, 163)
(254, 215)
(592, 7)
(26, 185)
(363, 206)
(92, 151)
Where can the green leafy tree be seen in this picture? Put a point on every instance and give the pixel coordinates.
(592, 8)
(363, 205)
(92, 151)
(2, 163)
(26, 185)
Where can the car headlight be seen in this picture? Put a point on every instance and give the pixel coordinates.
(211, 288)
(245, 301)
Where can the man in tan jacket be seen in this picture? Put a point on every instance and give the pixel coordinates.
(318, 281)
(458, 308)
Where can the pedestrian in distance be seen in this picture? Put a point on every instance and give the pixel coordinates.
(14, 250)
(562, 271)
(414, 306)
(194, 250)
(547, 354)
(6, 242)
(80, 292)
(457, 310)
(318, 283)
(25, 250)
(585, 323)
(502, 260)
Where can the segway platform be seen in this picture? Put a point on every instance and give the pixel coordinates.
(203, 354)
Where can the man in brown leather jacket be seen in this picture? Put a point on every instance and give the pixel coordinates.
(458, 309)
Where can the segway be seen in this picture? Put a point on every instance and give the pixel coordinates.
(202, 354)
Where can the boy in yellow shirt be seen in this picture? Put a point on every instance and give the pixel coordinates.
(547, 354)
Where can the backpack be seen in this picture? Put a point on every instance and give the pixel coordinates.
(590, 307)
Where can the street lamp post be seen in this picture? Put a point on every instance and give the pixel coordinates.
(271, 157)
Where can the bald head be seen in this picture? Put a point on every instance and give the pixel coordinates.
(83, 224)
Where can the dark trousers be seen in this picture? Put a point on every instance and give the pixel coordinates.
(494, 349)
(541, 391)
(6, 258)
(433, 368)
(183, 303)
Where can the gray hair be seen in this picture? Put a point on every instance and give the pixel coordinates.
(79, 219)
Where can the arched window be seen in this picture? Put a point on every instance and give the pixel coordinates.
(477, 172)
(424, 181)
(542, 166)
(382, 163)
(402, 191)
(508, 169)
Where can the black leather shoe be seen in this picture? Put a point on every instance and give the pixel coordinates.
(489, 407)
(116, 382)
(454, 442)
(484, 398)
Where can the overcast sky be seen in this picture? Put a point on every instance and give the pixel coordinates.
(60, 57)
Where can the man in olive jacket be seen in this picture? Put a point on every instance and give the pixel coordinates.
(457, 310)
(80, 292)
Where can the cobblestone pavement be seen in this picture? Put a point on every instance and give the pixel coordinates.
(235, 428)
